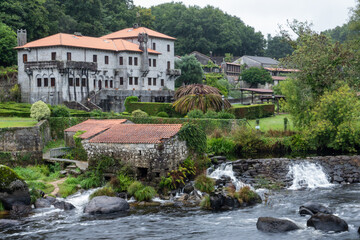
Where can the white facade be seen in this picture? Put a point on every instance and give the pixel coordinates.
(48, 74)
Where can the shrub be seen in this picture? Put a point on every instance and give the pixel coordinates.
(134, 187)
(194, 136)
(253, 111)
(163, 115)
(91, 181)
(211, 114)
(225, 115)
(205, 184)
(40, 111)
(121, 182)
(205, 203)
(105, 191)
(196, 113)
(221, 146)
(145, 194)
(15, 93)
(96, 113)
(248, 140)
(247, 195)
(60, 111)
(152, 108)
(70, 186)
(129, 100)
(79, 151)
(139, 114)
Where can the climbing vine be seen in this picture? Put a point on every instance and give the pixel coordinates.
(194, 136)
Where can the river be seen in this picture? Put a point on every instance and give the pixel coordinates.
(193, 223)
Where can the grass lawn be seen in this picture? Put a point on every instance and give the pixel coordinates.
(273, 123)
(7, 122)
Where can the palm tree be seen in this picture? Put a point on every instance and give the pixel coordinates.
(199, 96)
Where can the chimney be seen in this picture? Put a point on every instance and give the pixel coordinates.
(143, 39)
(21, 37)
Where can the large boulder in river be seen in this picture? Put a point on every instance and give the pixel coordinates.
(327, 223)
(42, 203)
(105, 204)
(311, 208)
(7, 223)
(13, 189)
(63, 205)
(275, 225)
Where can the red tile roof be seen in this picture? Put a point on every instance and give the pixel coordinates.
(134, 32)
(93, 127)
(63, 39)
(137, 133)
(279, 78)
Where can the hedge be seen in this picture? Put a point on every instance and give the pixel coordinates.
(253, 111)
(153, 108)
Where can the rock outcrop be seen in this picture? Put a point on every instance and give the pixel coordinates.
(275, 225)
(327, 223)
(105, 204)
(311, 208)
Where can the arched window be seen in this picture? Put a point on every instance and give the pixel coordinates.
(106, 83)
(111, 83)
(99, 84)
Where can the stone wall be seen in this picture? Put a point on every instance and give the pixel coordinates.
(24, 145)
(340, 169)
(7, 82)
(148, 160)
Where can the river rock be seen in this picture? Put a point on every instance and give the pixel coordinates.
(52, 200)
(6, 223)
(105, 204)
(275, 225)
(188, 188)
(19, 210)
(63, 205)
(311, 208)
(327, 223)
(12, 189)
(42, 203)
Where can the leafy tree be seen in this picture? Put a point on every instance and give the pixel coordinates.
(7, 43)
(218, 81)
(144, 17)
(39, 111)
(191, 70)
(277, 47)
(58, 20)
(228, 57)
(255, 76)
(117, 14)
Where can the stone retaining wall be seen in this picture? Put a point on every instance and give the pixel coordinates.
(340, 169)
(23, 145)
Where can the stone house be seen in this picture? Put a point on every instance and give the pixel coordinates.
(71, 67)
(256, 61)
(150, 149)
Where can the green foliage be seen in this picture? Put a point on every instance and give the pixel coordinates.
(139, 114)
(205, 203)
(134, 187)
(277, 47)
(130, 99)
(191, 70)
(56, 143)
(205, 184)
(225, 115)
(7, 175)
(253, 111)
(105, 191)
(60, 111)
(91, 180)
(152, 108)
(255, 76)
(194, 136)
(163, 115)
(248, 140)
(218, 81)
(210, 114)
(196, 113)
(1, 207)
(15, 93)
(97, 113)
(145, 194)
(69, 187)
(40, 111)
(221, 146)
(79, 151)
(121, 182)
(228, 57)
(7, 43)
(247, 195)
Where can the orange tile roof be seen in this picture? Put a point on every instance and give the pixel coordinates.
(64, 39)
(93, 127)
(134, 32)
(137, 133)
(279, 78)
(282, 69)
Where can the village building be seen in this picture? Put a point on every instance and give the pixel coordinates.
(256, 61)
(74, 68)
(151, 150)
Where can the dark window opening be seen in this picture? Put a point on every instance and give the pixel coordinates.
(154, 46)
(162, 82)
(135, 61)
(121, 61)
(121, 81)
(168, 65)
(111, 83)
(94, 58)
(46, 82)
(149, 62)
(136, 80)
(94, 83)
(106, 59)
(52, 82)
(39, 82)
(68, 56)
(71, 82)
(130, 81)
(25, 58)
(154, 81)
(83, 82)
(168, 47)
(100, 84)
(154, 62)
(106, 83)
(130, 60)
(142, 172)
(157, 174)
(149, 81)
(77, 82)
(53, 56)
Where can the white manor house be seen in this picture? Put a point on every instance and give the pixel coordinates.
(65, 68)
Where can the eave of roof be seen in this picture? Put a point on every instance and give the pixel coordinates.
(134, 32)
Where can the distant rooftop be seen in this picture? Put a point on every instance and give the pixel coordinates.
(263, 60)
(134, 33)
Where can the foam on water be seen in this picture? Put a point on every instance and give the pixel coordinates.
(308, 175)
(227, 170)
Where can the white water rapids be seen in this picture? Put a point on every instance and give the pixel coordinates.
(227, 170)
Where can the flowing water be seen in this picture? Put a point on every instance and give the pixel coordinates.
(192, 223)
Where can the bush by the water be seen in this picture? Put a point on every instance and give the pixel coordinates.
(248, 140)
(121, 182)
(139, 114)
(221, 146)
(205, 184)
(105, 191)
(141, 192)
(205, 203)
(134, 187)
(40, 111)
(194, 136)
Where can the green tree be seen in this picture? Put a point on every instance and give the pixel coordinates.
(191, 70)
(117, 14)
(255, 76)
(7, 43)
(144, 17)
(277, 47)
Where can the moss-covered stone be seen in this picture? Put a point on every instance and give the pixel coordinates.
(7, 176)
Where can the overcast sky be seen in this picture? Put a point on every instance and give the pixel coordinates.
(265, 15)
